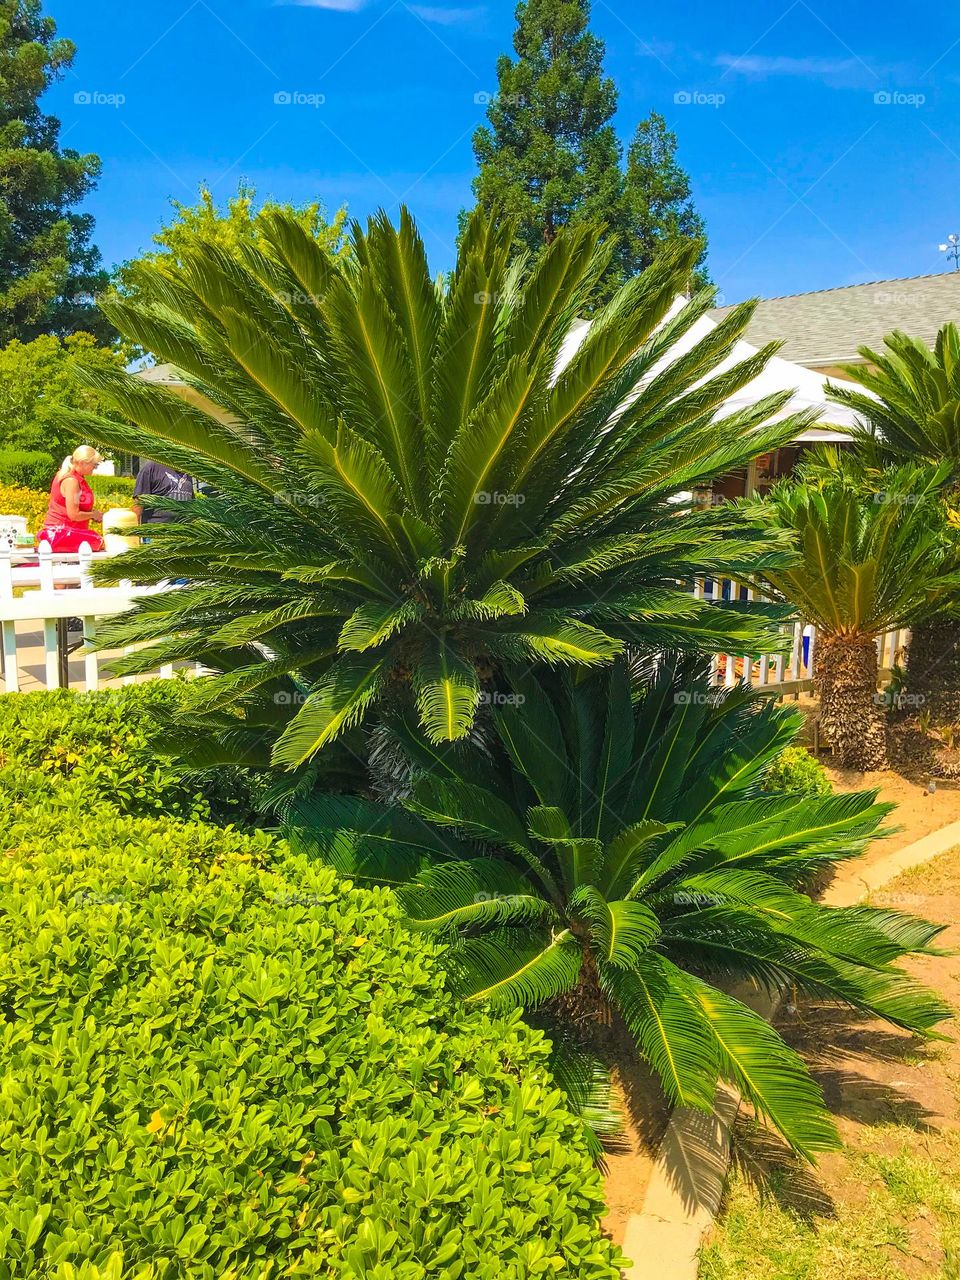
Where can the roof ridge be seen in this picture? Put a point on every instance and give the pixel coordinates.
(840, 288)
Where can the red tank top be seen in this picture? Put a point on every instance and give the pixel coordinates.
(57, 517)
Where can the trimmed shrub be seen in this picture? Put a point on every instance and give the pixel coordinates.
(106, 745)
(795, 769)
(17, 501)
(217, 1060)
(27, 469)
(115, 490)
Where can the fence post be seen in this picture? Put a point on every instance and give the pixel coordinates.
(11, 675)
(46, 566)
(86, 560)
(51, 653)
(730, 675)
(6, 573)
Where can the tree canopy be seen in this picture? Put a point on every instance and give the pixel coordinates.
(49, 269)
(243, 221)
(549, 155)
(39, 393)
(660, 206)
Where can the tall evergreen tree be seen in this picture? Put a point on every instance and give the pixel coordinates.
(660, 209)
(49, 269)
(550, 156)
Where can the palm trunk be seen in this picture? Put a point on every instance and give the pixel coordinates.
(850, 714)
(933, 669)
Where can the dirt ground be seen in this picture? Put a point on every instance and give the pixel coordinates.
(919, 812)
(888, 1204)
(629, 1162)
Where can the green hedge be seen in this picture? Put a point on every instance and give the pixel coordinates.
(27, 469)
(106, 745)
(119, 488)
(216, 1060)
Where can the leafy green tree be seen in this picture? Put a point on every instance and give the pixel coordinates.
(549, 156)
(241, 223)
(410, 496)
(49, 270)
(41, 396)
(910, 405)
(869, 563)
(660, 208)
(608, 857)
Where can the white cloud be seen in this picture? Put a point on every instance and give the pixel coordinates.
(341, 6)
(446, 17)
(752, 64)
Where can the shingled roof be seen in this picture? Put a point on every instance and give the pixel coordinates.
(827, 327)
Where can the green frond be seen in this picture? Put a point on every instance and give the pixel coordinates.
(653, 999)
(515, 968)
(371, 624)
(621, 932)
(448, 693)
(765, 1070)
(466, 895)
(338, 701)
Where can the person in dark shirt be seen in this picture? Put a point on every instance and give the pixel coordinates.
(159, 481)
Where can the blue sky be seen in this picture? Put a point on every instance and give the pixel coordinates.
(823, 140)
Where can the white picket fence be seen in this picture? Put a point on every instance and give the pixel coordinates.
(791, 672)
(55, 587)
(48, 588)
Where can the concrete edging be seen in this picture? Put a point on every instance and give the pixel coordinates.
(686, 1186)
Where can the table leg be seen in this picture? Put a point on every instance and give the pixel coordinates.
(63, 654)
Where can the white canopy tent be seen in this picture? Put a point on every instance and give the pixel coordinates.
(809, 388)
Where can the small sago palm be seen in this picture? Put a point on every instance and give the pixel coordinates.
(409, 491)
(608, 854)
(869, 563)
(912, 416)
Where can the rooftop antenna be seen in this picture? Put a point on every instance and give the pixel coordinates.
(952, 250)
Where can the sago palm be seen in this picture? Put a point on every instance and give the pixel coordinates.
(870, 562)
(608, 853)
(408, 488)
(912, 415)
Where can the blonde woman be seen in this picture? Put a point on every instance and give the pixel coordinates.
(71, 509)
